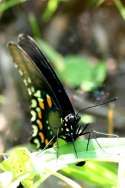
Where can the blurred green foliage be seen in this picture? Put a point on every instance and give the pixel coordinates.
(50, 9)
(79, 71)
(52, 6)
(4, 5)
(120, 7)
(2, 99)
(34, 25)
(76, 70)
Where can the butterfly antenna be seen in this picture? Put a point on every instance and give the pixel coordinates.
(100, 104)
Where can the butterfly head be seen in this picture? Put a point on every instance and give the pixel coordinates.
(71, 119)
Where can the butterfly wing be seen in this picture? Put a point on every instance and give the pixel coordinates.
(45, 114)
(49, 101)
(38, 58)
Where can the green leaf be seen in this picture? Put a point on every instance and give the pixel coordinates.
(78, 71)
(20, 164)
(33, 168)
(97, 173)
(100, 72)
(111, 151)
(51, 8)
(34, 25)
(9, 4)
(75, 70)
(120, 7)
(18, 161)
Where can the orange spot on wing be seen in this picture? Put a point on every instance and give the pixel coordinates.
(41, 104)
(49, 101)
(39, 124)
(41, 136)
(40, 114)
(46, 141)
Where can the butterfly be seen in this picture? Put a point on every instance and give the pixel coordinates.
(52, 114)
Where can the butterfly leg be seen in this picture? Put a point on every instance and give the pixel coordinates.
(81, 131)
(85, 127)
(94, 135)
(87, 147)
(73, 143)
(57, 154)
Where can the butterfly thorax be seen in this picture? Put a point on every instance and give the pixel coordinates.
(70, 127)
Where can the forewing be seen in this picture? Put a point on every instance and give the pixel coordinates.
(45, 113)
(38, 58)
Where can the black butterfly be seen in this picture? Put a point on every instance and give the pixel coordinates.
(52, 112)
